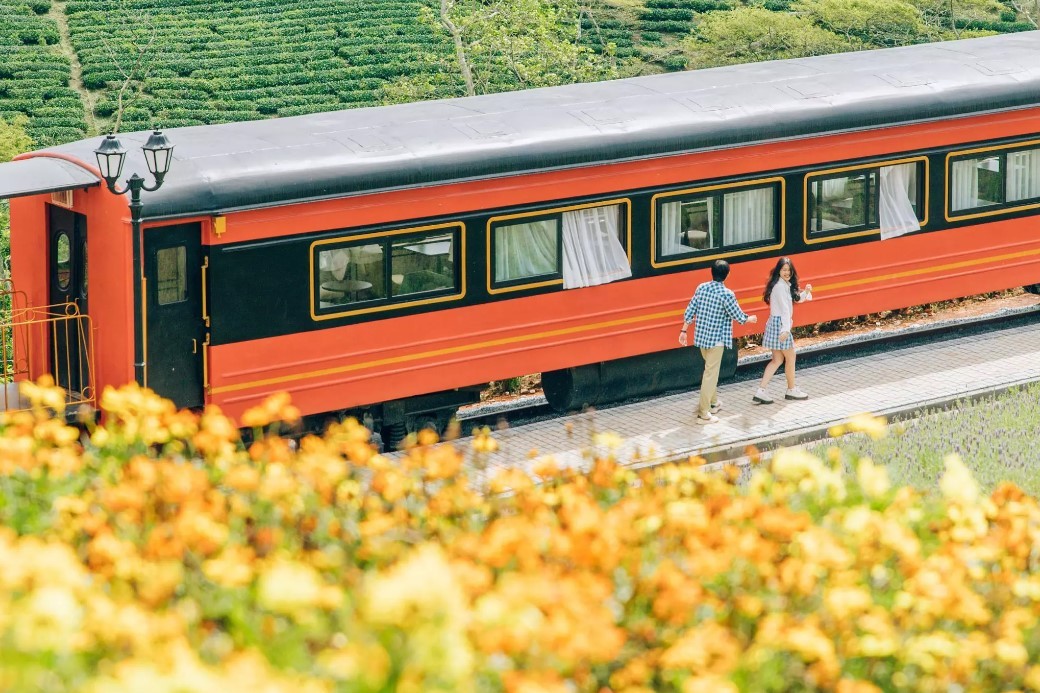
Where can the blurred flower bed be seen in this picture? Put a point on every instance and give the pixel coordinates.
(156, 552)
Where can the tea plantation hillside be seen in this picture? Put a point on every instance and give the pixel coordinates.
(65, 63)
(34, 74)
(227, 60)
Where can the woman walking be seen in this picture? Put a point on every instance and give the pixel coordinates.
(781, 294)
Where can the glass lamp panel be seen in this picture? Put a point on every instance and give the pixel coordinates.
(157, 153)
(110, 157)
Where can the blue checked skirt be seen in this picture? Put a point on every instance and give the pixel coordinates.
(772, 336)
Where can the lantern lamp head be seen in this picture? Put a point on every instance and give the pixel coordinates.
(158, 154)
(110, 158)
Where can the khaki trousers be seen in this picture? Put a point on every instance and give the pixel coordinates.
(710, 380)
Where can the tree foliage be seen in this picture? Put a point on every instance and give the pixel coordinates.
(1028, 10)
(881, 23)
(503, 45)
(943, 16)
(751, 34)
(13, 141)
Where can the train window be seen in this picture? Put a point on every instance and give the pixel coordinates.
(866, 199)
(419, 265)
(572, 246)
(527, 250)
(976, 183)
(378, 271)
(1023, 175)
(843, 202)
(994, 179)
(63, 254)
(171, 269)
(699, 222)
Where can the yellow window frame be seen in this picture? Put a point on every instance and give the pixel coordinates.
(756, 183)
(626, 202)
(950, 216)
(811, 240)
(353, 238)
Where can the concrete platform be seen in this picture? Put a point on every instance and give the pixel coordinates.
(900, 380)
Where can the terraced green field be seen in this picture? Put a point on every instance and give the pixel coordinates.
(34, 74)
(62, 62)
(224, 61)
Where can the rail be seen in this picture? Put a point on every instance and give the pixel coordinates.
(34, 340)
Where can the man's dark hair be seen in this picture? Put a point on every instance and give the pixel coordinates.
(720, 270)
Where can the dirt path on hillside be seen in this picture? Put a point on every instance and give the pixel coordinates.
(89, 99)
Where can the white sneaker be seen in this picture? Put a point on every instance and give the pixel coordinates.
(762, 397)
(795, 393)
(705, 420)
(716, 407)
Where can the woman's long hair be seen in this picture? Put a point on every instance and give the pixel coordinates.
(774, 277)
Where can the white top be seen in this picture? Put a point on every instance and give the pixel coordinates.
(780, 303)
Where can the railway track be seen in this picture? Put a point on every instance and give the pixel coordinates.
(534, 408)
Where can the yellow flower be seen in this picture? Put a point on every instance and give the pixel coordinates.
(957, 484)
(709, 684)
(277, 407)
(708, 649)
(423, 586)
(289, 587)
(609, 440)
(873, 479)
(808, 472)
(844, 602)
(1011, 652)
(52, 620)
(232, 568)
(873, 426)
(44, 394)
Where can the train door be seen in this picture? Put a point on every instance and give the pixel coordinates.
(174, 327)
(67, 287)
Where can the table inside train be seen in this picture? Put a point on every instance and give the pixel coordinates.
(332, 290)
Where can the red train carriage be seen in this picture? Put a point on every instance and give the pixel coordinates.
(388, 261)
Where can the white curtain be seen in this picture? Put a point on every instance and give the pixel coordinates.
(896, 208)
(335, 262)
(1023, 181)
(834, 187)
(669, 229)
(592, 253)
(964, 184)
(525, 250)
(748, 217)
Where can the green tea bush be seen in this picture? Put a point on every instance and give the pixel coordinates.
(223, 61)
(34, 76)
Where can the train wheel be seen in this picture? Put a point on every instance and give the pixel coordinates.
(393, 435)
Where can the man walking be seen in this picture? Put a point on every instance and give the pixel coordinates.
(714, 307)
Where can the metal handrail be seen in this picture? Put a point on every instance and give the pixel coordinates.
(56, 325)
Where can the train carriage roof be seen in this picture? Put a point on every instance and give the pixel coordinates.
(219, 168)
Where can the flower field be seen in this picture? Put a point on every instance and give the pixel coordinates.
(996, 436)
(157, 552)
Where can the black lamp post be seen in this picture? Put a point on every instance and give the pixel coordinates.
(158, 155)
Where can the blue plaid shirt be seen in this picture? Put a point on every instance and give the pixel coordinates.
(714, 307)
